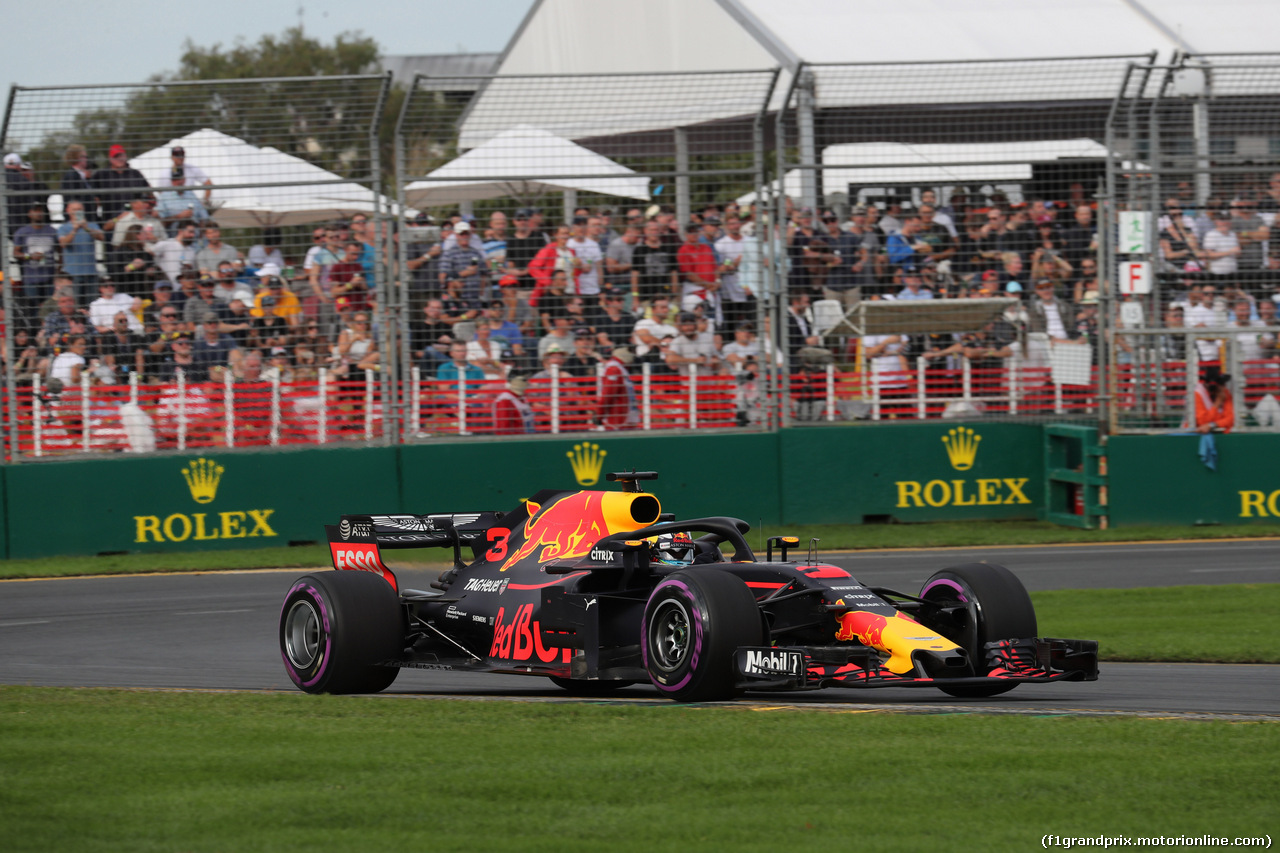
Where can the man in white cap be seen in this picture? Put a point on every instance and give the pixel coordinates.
(275, 299)
(465, 262)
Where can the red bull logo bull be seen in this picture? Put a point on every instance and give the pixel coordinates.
(866, 628)
(566, 528)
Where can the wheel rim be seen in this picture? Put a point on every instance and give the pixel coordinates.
(669, 635)
(302, 634)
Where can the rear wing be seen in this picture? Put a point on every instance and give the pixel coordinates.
(355, 541)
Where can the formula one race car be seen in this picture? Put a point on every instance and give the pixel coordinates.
(598, 590)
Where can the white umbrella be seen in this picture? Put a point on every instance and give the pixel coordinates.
(521, 163)
(316, 194)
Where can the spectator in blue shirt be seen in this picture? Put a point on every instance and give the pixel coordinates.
(77, 237)
(458, 368)
(913, 282)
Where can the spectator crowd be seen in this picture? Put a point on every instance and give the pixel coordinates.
(139, 279)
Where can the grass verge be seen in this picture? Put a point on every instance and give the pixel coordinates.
(113, 770)
(832, 537)
(1233, 623)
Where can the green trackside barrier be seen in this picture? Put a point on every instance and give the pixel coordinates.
(944, 471)
(197, 501)
(705, 474)
(4, 515)
(209, 500)
(1159, 479)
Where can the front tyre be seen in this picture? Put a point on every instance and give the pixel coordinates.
(693, 623)
(992, 605)
(337, 628)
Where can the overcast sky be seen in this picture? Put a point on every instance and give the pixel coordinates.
(75, 42)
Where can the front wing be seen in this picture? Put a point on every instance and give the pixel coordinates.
(1008, 661)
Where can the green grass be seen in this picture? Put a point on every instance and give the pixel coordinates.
(832, 537)
(115, 770)
(1234, 623)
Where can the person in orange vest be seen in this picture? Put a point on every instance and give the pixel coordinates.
(1215, 411)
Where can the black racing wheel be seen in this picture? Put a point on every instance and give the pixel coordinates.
(693, 623)
(337, 628)
(988, 603)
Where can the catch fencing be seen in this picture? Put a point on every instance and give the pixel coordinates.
(272, 162)
(1194, 188)
(897, 221)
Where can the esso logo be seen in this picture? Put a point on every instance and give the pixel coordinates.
(362, 559)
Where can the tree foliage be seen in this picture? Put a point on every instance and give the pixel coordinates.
(271, 97)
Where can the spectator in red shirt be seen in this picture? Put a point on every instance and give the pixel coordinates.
(697, 265)
(556, 255)
(347, 284)
(512, 414)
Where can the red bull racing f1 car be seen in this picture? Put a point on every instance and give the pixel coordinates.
(598, 590)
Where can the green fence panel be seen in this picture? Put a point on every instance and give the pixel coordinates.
(927, 472)
(4, 514)
(1160, 479)
(198, 501)
(719, 474)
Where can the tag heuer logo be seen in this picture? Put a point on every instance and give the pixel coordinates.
(962, 447)
(202, 477)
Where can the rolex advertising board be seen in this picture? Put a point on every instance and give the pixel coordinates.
(1163, 480)
(198, 501)
(926, 472)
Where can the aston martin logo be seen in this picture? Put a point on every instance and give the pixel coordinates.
(962, 447)
(202, 477)
(587, 460)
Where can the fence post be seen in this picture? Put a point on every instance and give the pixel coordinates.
(1013, 368)
(368, 405)
(462, 402)
(831, 392)
(323, 424)
(229, 405)
(693, 396)
(37, 421)
(84, 411)
(275, 409)
(646, 397)
(182, 409)
(133, 387)
(555, 399)
(415, 401)
(922, 409)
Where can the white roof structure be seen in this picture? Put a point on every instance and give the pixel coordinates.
(666, 36)
(314, 194)
(875, 164)
(522, 163)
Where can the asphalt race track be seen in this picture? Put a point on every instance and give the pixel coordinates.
(218, 631)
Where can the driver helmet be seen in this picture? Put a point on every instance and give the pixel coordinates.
(673, 548)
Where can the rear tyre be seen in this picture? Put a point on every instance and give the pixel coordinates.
(583, 687)
(693, 623)
(995, 606)
(335, 630)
